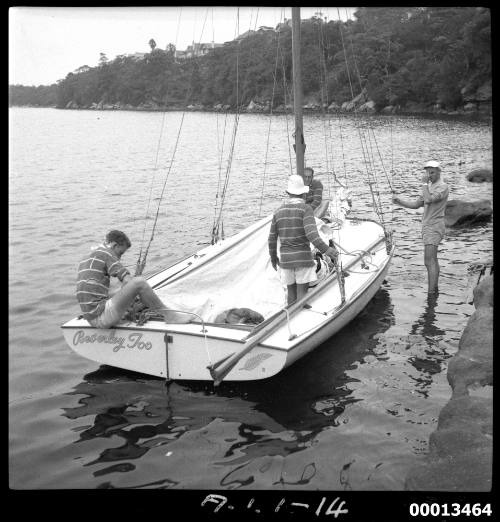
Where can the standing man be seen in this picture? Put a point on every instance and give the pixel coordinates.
(92, 289)
(295, 225)
(433, 198)
(315, 188)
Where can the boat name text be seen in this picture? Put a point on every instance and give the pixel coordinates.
(132, 341)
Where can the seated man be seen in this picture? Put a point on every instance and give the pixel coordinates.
(92, 289)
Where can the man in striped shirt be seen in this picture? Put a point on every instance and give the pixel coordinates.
(315, 193)
(92, 289)
(295, 226)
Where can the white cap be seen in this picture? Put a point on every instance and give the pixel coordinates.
(296, 185)
(432, 165)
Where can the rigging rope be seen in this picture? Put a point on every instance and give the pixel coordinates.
(218, 225)
(270, 119)
(366, 144)
(141, 261)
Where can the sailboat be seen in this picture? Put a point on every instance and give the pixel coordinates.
(235, 273)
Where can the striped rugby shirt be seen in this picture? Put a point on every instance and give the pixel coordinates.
(94, 272)
(315, 194)
(295, 225)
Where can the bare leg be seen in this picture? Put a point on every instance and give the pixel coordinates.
(138, 286)
(292, 293)
(302, 290)
(432, 265)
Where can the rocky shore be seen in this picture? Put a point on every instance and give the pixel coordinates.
(460, 454)
(475, 103)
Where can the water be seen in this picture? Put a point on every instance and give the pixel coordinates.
(355, 414)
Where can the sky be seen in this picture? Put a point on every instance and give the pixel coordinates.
(47, 43)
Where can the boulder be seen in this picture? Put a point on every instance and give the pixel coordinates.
(348, 106)
(473, 364)
(459, 213)
(480, 175)
(483, 293)
(334, 107)
(484, 92)
(251, 106)
(470, 107)
(390, 109)
(369, 106)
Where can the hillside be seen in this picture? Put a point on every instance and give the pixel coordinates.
(413, 59)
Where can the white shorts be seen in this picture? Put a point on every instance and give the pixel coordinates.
(301, 275)
(108, 318)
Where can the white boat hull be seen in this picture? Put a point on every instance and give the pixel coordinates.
(185, 351)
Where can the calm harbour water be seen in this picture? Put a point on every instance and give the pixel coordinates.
(356, 414)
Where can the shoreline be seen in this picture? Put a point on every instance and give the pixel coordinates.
(479, 115)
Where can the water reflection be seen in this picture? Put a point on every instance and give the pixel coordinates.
(274, 418)
(429, 357)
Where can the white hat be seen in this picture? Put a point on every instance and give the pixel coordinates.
(296, 185)
(432, 165)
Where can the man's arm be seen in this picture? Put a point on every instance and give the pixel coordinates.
(417, 203)
(273, 244)
(317, 194)
(438, 195)
(115, 268)
(312, 234)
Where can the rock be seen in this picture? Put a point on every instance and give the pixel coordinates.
(348, 106)
(369, 106)
(458, 212)
(473, 364)
(465, 412)
(470, 471)
(390, 109)
(256, 107)
(449, 442)
(484, 92)
(480, 175)
(470, 107)
(334, 107)
(483, 293)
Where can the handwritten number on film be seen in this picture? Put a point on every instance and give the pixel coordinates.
(332, 509)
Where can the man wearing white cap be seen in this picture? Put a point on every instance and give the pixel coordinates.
(433, 198)
(296, 228)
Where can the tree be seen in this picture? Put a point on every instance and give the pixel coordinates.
(152, 44)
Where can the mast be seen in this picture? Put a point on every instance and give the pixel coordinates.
(297, 91)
